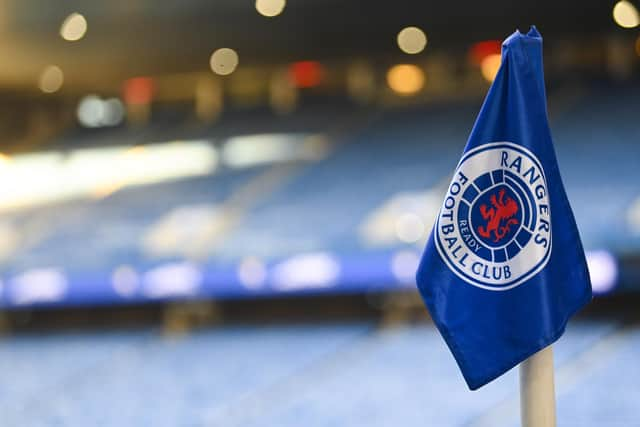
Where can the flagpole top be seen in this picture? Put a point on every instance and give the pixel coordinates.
(533, 32)
(533, 35)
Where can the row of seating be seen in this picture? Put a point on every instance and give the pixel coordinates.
(314, 207)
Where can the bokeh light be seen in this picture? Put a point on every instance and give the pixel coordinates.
(481, 50)
(412, 40)
(74, 27)
(270, 8)
(409, 227)
(4, 159)
(224, 61)
(113, 113)
(138, 90)
(404, 265)
(405, 79)
(94, 112)
(125, 280)
(626, 15)
(252, 272)
(306, 74)
(490, 65)
(603, 271)
(90, 111)
(51, 79)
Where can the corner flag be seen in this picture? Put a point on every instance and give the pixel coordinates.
(504, 268)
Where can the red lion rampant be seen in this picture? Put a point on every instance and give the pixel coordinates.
(501, 210)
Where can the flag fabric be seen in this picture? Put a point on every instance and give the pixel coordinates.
(504, 268)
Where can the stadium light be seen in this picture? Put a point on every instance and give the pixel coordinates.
(4, 159)
(404, 265)
(138, 90)
(409, 227)
(411, 40)
(224, 61)
(125, 280)
(405, 79)
(173, 279)
(307, 271)
(90, 111)
(74, 27)
(603, 271)
(39, 178)
(39, 285)
(95, 112)
(270, 8)
(306, 74)
(245, 151)
(626, 15)
(51, 79)
(252, 272)
(481, 50)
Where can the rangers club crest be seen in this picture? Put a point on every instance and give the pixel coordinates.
(494, 228)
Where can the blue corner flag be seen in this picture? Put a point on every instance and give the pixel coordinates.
(504, 268)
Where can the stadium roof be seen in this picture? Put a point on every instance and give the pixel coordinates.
(128, 38)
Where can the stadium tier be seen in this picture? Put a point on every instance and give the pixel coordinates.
(248, 376)
(329, 199)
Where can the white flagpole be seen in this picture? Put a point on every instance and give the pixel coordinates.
(537, 391)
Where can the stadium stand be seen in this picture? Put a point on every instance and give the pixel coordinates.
(349, 217)
(350, 372)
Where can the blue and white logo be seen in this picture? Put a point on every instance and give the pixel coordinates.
(494, 228)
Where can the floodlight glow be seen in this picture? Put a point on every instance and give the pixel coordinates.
(251, 150)
(405, 79)
(172, 280)
(38, 178)
(125, 280)
(51, 79)
(224, 61)
(404, 265)
(113, 113)
(95, 112)
(4, 159)
(90, 111)
(481, 50)
(270, 8)
(412, 40)
(307, 271)
(603, 270)
(409, 227)
(626, 15)
(252, 273)
(38, 286)
(74, 27)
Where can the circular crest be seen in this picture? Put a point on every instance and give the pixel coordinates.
(494, 228)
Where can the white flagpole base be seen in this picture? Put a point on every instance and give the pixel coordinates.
(537, 391)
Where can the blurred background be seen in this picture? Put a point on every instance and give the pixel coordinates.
(211, 212)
